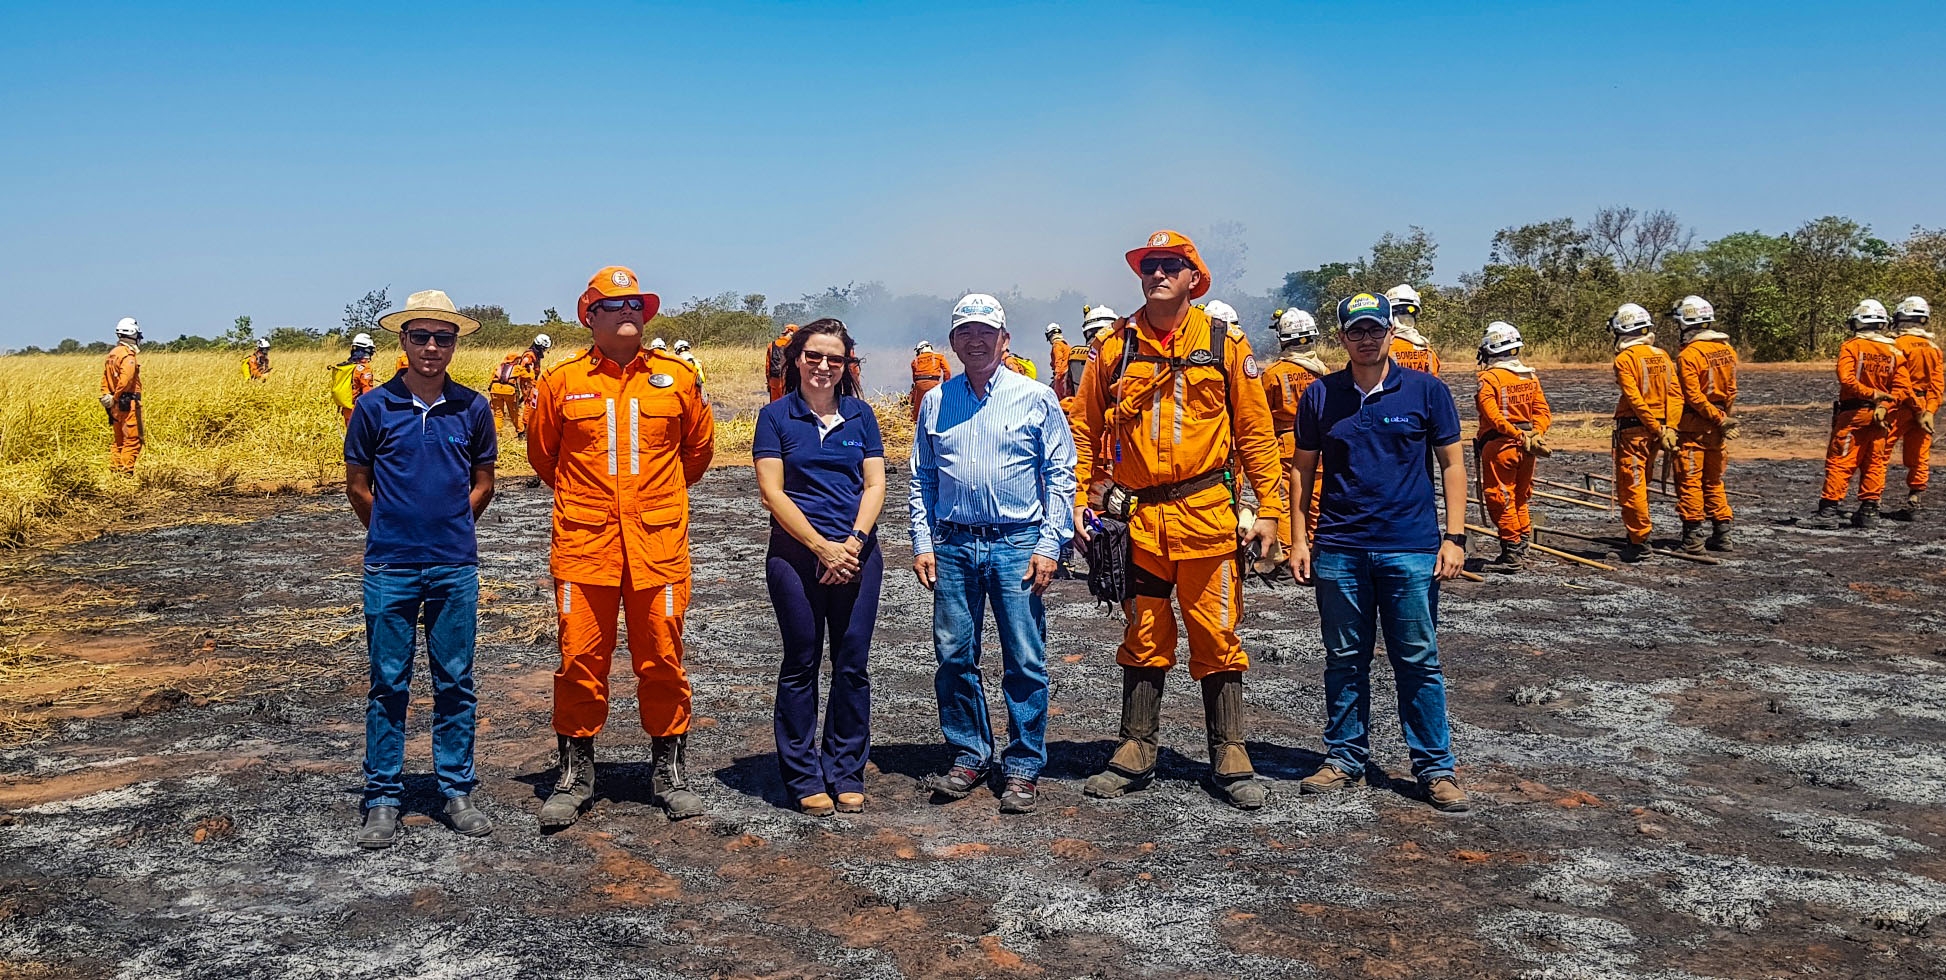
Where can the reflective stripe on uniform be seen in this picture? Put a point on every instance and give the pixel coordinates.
(611, 437)
(567, 598)
(634, 436)
(669, 600)
(1225, 607)
(1177, 425)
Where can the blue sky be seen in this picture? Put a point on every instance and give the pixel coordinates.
(190, 163)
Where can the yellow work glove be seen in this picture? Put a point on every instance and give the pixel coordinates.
(1730, 429)
(1878, 413)
(1540, 448)
(1528, 441)
(1668, 439)
(1925, 422)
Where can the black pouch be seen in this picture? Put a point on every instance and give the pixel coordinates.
(1111, 562)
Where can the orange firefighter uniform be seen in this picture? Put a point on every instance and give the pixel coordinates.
(405, 363)
(1707, 367)
(361, 381)
(1057, 361)
(1284, 382)
(1020, 365)
(256, 367)
(1513, 416)
(1651, 401)
(929, 371)
(1872, 379)
(621, 444)
(1072, 371)
(121, 392)
(1926, 387)
(1167, 431)
(774, 361)
(512, 389)
(1418, 358)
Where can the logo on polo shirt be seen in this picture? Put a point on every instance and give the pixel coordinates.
(1396, 419)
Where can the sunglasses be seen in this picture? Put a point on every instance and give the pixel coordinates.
(611, 305)
(815, 358)
(1169, 265)
(420, 338)
(1362, 331)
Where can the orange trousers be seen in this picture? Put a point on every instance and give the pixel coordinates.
(1635, 451)
(127, 445)
(1914, 445)
(1856, 443)
(1210, 595)
(587, 616)
(1507, 484)
(1699, 465)
(1284, 525)
(510, 407)
(919, 394)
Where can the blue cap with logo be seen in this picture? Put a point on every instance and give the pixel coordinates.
(1364, 306)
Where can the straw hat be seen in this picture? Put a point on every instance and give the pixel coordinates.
(428, 304)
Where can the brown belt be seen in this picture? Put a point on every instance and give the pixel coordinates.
(926, 377)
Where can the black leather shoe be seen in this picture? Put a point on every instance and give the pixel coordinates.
(1019, 796)
(466, 818)
(955, 783)
(381, 829)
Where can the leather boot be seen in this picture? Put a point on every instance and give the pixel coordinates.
(1229, 761)
(576, 784)
(1866, 515)
(1692, 537)
(671, 783)
(1828, 509)
(1132, 767)
(1508, 560)
(1719, 539)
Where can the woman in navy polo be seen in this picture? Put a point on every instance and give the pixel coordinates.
(821, 467)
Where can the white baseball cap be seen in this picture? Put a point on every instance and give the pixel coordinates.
(979, 308)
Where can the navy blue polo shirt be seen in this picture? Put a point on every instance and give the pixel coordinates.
(422, 464)
(825, 477)
(1375, 481)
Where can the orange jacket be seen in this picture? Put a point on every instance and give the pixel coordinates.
(621, 444)
(1057, 362)
(774, 364)
(1510, 403)
(1161, 425)
(1284, 382)
(1709, 384)
(361, 378)
(930, 367)
(255, 368)
(1922, 362)
(120, 373)
(1872, 371)
(1414, 357)
(1650, 392)
(404, 363)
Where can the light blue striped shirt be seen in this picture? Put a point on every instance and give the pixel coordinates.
(1007, 458)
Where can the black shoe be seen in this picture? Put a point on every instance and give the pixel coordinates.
(1719, 539)
(955, 783)
(466, 818)
(1829, 509)
(1632, 552)
(1866, 515)
(1019, 796)
(381, 829)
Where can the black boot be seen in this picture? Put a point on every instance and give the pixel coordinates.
(1632, 551)
(671, 783)
(575, 785)
(1132, 766)
(1828, 509)
(1866, 515)
(1692, 537)
(1229, 761)
(1510, 556)
(1719, 539)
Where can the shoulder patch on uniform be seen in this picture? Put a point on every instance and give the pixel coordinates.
(1236, 333)
(661, 380)
(1250, 368)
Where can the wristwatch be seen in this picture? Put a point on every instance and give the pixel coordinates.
(864, 537)
(1458, 539)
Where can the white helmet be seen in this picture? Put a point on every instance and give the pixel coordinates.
(922, 347)
(1091, 315)
(657, 344)
(1913, 308)
(1868, 313)
(263, 343)
(1053, 330)
(127, 327)
(1404, 299)
(682, 347)
(1629, 320)
(363, 340)
(543, 341)
(1693, 312)
(1219, 310)
(1294, 326)
(1500, 338)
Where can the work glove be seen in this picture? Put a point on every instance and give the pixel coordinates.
(1668, 439)
(1878, 413)
(1730, 429)
(1925, 422)
(1540, 448)
(1528, 441)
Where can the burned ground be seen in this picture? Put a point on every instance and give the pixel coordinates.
(1682, 771)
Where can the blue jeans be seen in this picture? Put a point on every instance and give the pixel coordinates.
(1360, 593)
(974, 569)
(395, 595)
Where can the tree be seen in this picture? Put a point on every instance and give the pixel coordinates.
(1638, 242)
(1407, 259)
(240, 333)
(551, 318)
(754, 303)
(362, 316)
(1306, 290)
(486, 313)
(1826, 268)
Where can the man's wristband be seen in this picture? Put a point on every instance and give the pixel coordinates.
(1458, 539)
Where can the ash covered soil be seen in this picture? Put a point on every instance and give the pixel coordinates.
(1680, 771)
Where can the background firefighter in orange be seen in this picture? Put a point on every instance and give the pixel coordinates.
(774, 361)
(1707, 366)
(1514, 418)
(1058, 351)
(256, 367)
(1176, 396)
(1095, 322)
(1911, 422)
(1646, 418)
(929, 371)
(1297, 365)
(121, 396)
(352, 377)
(620, 433)
(1410, 348)
(512, 388)
(1872, 380)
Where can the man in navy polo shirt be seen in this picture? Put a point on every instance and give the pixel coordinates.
(1379, 555)
(419, 456)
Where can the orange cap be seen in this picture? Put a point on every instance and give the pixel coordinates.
(1174, 243)
(615, 282)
